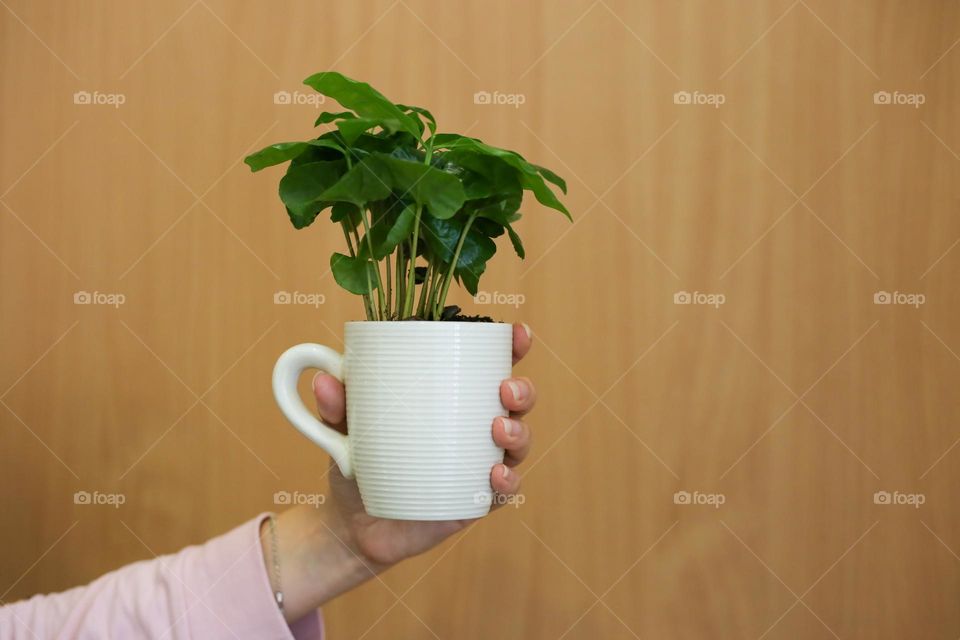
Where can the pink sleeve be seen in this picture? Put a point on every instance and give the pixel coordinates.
(217, 590)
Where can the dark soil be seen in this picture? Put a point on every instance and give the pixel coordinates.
(451, 313)
(463, 318)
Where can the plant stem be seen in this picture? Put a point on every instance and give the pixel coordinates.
(453, 265)
(374, 309)
(346, 235)
(429, 151)
(388, 272)
(435, 289)
(412, 276)
(353, 254)
(401, 283)
(431, 286)
(422, 305)
(376, 266)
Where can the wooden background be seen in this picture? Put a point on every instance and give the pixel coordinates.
(795, 400)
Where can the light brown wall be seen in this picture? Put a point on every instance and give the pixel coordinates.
(797, 399)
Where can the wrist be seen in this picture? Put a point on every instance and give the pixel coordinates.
(317, 558)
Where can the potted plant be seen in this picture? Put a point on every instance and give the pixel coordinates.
(419, 211)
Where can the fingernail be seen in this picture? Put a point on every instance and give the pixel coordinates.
(515, 390)
(529, 331)
(315, 376)
(506, 472)
(509, 427)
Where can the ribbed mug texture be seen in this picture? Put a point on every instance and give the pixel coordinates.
(421, 399)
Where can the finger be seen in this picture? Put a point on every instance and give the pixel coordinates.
(331, 399)
(504, 480)
(522, 340)
(514, 437)
(518, 395)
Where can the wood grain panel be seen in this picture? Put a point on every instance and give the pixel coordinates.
(792, 402)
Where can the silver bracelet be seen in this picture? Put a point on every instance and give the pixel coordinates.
(278, 593)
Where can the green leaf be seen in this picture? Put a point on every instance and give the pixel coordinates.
(471, 278)
(355, 127)
(359, 185)
(543, 193)
(302, 186)
(356, 275)
(329, 116)
(530, 177)
(476, 251)
(502, 209)
(384, 143)
(408, 153)
(488, 227)
(485, 175)
(283, 151)
(388, 230)
(401, 229)
(346, 211)
(363, 100)
(426, 116)
(550, 176)
(515, 241)
(440, 192)
(442, 237)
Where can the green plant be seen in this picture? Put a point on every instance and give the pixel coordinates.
(429, 205)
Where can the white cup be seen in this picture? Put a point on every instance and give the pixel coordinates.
(421, 399)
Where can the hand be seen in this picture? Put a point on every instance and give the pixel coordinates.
(385, 542)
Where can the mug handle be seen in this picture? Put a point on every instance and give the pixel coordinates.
(286, 373)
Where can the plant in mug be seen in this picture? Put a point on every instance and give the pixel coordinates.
(418, 209)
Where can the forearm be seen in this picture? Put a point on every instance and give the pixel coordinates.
(316, 559)
(216, 590)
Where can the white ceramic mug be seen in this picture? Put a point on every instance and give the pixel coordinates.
(421, 399)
